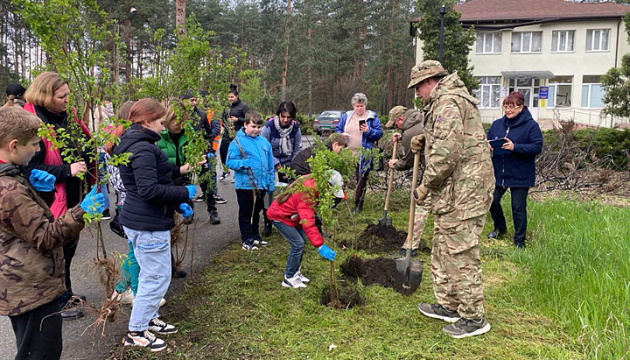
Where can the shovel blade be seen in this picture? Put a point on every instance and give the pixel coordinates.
(408, 275)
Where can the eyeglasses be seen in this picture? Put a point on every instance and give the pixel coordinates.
(511, 107)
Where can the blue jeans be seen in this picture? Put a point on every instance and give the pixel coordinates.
(296, 238)
(153, 253)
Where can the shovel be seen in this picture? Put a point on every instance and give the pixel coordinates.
(408, 272)
(384, 222)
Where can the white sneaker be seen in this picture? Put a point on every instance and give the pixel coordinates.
(161, 327)
(295, 282)
(162, 302)
(145, 339)
(124, 298)
(302, 277)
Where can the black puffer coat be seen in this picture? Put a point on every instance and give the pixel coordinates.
(152, 198)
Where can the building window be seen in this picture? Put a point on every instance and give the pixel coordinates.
(560, 91)
(489, 91)
(527, 42)
(597, 40)
(592, 92)
(562, 41)
(488, 43)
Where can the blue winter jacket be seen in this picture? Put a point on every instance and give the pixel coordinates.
(259, 160)
(518, 167)
(272, 135)
(152, 197)
(368, 139)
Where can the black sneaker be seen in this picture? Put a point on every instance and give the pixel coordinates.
(467, 327)
(219, 200)
(496, 234)
(214, 218)
(199, 198)
(436, 311)
(106, 215)
(161, 327)
(145, 339)
(224, 176)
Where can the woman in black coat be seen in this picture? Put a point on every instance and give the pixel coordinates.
(516, 139)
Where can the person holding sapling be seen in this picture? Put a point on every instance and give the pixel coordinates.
(47, 97)
(293, 214)
(147, 218)
(251, 158)
(32, 239)
(515, 140)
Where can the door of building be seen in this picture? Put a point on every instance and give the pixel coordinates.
(530, 89)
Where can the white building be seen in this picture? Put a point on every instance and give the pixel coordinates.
(551, 50)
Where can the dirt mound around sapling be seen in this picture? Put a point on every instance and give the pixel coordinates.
(375, 239)
(378, 271)
(349, 296)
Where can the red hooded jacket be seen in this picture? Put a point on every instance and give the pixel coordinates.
(298, 212)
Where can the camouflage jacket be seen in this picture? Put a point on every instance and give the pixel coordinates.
(458, 171)
(31, 254)
(413, 124)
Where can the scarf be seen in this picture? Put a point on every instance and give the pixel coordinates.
(286, 145)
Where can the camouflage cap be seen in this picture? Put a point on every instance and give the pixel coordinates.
(425, 70)
(394, 113)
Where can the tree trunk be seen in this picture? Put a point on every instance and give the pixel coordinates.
(390, 62)
(128, 59)
(180, 13)
(285, 69)
(309, 74)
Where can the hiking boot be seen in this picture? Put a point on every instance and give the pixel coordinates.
(302, 277)
(467, 327)
(199, 198)
(496, 234)
(160, 327)
(248, 247)
(214, 218)
(219, 200)
(179, 274)
(106, 215)
(294, 282)
(145, 339)
(437, 311)
(71, 313)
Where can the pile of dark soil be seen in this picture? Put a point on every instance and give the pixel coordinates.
(380, 240)
(378, 271)
(349, 296)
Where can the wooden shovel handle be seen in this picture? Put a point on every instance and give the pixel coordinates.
(412, 206)
(390, 181)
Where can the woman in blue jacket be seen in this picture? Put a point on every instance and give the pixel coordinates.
(514, 160)
(363, 129)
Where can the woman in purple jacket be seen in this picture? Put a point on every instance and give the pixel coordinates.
(516, 139)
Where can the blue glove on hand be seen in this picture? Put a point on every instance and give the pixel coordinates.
(192, 189)
(210, 155)
(93, 202)
(42, 181)
(186, 211)
(326, 252)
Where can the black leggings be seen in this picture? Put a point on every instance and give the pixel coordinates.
(223, 149)
(38, 332)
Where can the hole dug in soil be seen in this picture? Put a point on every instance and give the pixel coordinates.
(378, 271)
(349, 295)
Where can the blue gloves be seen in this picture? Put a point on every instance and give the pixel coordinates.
(93, 202)
(192, 189)
(42, 181)
(326, 252)
(186, 211)
(210, 155)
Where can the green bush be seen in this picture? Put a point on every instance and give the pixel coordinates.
(609, 148)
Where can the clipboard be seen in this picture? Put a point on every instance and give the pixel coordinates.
(496, 145)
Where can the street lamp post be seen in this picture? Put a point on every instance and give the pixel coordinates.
(442, 12)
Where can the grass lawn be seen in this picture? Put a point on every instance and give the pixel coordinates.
(565, 297)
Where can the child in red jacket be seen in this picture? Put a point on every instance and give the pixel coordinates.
(294, 217)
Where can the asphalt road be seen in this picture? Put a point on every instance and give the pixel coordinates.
(79, 344)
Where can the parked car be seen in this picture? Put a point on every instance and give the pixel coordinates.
(326, 121)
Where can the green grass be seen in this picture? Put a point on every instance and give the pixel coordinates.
(551, 301)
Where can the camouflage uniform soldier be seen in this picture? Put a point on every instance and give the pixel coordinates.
(457, 183)
(411, 122)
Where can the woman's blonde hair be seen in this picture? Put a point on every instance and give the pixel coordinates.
(41, 91)
(176, 108)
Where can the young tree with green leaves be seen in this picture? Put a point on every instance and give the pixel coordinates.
(616, 82)
(457, 40)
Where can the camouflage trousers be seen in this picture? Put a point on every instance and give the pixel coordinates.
(456, 266)
(419, 223)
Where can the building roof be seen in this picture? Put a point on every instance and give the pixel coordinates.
(536, 10)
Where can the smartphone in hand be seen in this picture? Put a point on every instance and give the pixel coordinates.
(496, 145)
(361, 122)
